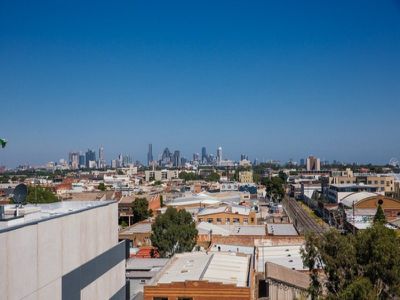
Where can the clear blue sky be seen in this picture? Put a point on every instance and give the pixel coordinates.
(274, 80)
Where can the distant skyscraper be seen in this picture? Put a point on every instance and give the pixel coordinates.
(90, 157)
(204, 158)
(150, 155)
(74, 160)
(166, 157)
(302, 162)
(196, 157)
(219, 155)
(313, 164)
(102, 160)
(176, 158)
(81, 160)
(244, 157)
(183, 161)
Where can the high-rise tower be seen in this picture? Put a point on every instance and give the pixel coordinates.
(150, 155)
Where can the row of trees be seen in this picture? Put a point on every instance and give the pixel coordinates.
(361, 266)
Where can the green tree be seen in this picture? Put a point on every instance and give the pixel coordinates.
(274, 187)
(378, 255)
(187, 176)
(101, 186)
(360, 288)
(174, 232)
(140, 208)
(380, 216)
(213, 177)
(282, 175)
(363, 266)
(312, 260)
(38, 194)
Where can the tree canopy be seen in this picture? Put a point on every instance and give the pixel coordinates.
(174, 232)
(214, 176)
(274, 187)
(38, 194)
(140, 208)
(380, 216)
(101, 186)
(188, 176)
(361, 266)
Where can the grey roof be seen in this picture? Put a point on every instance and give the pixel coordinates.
(281, 229)
(285, 255)
(231, 248)
(145, 263)
(142, 227)
(233, 229)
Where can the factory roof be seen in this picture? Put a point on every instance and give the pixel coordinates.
(233, 229)
(227, 268)
(287, 255)
(281, 229)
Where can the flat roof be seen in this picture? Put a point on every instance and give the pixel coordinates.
(287, 255)
(136, 264)
(141, 227)
(281, 229)
(232, 229)
(30, 214)
(227, 268)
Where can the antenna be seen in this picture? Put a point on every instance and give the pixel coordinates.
(20, 193)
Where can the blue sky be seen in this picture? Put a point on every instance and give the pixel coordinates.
(274, 80)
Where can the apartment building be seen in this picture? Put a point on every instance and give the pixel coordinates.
(161, 175)
(383, 182)
(246, 176)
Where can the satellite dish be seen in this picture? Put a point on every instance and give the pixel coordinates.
(20, 193)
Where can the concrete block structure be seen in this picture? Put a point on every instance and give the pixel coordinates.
(64, 250)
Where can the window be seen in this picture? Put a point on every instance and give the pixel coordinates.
(235, 220)
(200, 220)
(380, 201)
(228, 220)
(245, 220)
(219, 220)
(252, 220)
(142, 281)
(382, 182)
(210, 220)
(160, 298)
(185, 298)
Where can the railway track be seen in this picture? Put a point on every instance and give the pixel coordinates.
(300, 218)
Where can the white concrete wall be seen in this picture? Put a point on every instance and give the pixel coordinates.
(34, 258)
(106, 285)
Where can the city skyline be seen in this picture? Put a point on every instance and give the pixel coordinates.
(107, 159)
(275, 80)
